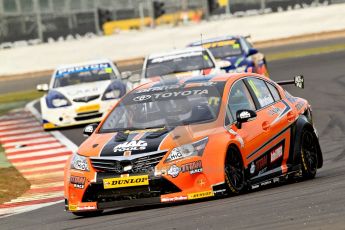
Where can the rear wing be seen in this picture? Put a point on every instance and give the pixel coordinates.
(297, 81)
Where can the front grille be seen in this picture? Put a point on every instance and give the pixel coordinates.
(139, 163)
(86, 98)
(88, 116)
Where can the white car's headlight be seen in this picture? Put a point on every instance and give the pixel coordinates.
(79, 163)
(59, 102)
(195, 149)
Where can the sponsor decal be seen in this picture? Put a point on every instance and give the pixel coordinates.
(221, 191)
(174, 155)
(274, 110)
(199, 195)
(78, 182)
(262, 171)
(174, 171)
(167, 95)
(129, 181)
(252, 168)
(261, 163)
(232, 43)
(130, 146)
(82, 207)
(142, 98)
(72, 207)
(173, 199)
(244, 115)
(276, 153)
(266, 182)
(77, 69)
(191, 167)
(87, 108)
(299, 105)
(173, 57)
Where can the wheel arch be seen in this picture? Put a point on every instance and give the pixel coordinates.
(301, 124)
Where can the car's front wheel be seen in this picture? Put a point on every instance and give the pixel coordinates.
(234, 172)
(309, 150)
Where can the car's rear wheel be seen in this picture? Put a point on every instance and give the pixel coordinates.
(234, 172)
(88, 214)
(309, 158)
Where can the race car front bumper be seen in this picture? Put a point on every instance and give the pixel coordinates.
(94, 196)
(76, 114)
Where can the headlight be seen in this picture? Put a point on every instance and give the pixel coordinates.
(56, 99)
(115, 90)
(79, 163)
(188, 150)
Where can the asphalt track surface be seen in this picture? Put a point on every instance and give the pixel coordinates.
(314, 204)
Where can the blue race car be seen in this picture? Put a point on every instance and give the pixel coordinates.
(238, 52)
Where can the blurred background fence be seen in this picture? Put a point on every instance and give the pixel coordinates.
(36, 21)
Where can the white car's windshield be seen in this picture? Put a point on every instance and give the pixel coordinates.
(178, 63)
(83, 74)
(166, 106)
(223, 49)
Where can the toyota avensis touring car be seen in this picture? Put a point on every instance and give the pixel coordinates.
(193, 138)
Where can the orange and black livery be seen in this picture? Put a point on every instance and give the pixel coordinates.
(192, 138)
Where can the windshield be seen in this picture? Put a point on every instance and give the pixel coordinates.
(179, 63)
(224, 49)
(83, 74)
(166, 106)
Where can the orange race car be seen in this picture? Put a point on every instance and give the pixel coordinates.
(192, 138)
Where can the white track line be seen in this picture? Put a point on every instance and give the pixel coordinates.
(63, 139)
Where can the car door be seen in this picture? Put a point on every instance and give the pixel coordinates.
(273, 114)
(250, 135)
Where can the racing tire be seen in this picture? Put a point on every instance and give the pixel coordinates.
(88, 214)
(309, 154)
(234, 172)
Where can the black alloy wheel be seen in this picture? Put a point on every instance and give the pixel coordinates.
(309, 157)
(234, 172)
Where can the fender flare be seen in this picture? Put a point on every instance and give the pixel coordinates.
(301, 124)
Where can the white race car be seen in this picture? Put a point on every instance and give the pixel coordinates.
(81, 93)
(192, 61)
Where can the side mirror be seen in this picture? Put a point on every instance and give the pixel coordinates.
(243, 116)
(90, 129)
(126, 74)
(42, 87)
(223, 64)
(252, 52)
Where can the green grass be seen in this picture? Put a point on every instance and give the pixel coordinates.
(305, 52)
(14, 100)
(28, 95)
